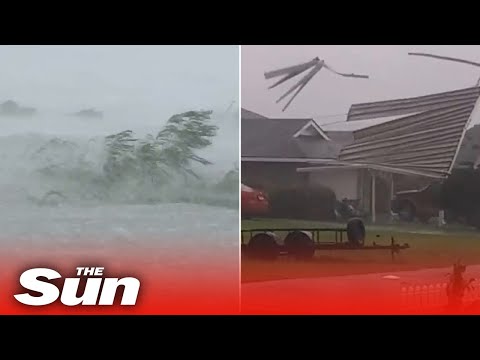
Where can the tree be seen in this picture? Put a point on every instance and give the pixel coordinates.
(170, 152)
(133, 168)
(230, 182)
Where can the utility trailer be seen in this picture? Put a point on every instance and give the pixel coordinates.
(301, 243)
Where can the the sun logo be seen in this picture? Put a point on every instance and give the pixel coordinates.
(98, 290)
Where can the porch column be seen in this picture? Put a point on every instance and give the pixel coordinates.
(392, 196)
(392, 187)
(373, 197)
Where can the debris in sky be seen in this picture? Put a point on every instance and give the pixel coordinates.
(314, 65)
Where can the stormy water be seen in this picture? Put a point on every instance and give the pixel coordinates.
(53, 195)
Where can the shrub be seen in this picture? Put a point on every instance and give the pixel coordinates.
(461, 192)
(305, 204)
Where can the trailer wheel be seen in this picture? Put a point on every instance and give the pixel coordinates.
(263, 247)
(300, 244)
(356, 232)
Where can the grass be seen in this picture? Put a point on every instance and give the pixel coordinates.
(430, 247)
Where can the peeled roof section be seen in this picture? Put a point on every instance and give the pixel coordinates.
(380, 109)
(423, 139)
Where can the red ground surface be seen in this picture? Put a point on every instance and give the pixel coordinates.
(172, 282)
(353, 294)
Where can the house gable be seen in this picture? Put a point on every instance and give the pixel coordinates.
(285, 139)
(311, 129)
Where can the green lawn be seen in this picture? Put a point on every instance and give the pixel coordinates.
(429, 247)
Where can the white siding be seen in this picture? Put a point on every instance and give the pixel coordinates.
(342, 181)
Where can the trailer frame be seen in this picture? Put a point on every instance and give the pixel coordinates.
(338, 244)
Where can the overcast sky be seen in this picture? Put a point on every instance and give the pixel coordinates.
(393, 74)
(119, 78)
(137, 87)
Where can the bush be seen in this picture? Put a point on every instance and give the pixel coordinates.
(304, 204)
(229, 182)
(461, 192)
(156, 159)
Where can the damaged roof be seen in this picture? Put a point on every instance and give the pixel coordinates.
(410, 106)
(424, 136)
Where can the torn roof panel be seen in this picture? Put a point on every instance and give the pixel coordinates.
(354, 126)
(379, 167)
(431, 119)
(350, 126)
(379, 109)
(427, 141)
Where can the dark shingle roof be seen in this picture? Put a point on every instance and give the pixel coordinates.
(274, 138)
(247, 114)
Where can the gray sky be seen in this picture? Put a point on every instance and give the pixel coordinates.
(137, 87)
(162, 78)
(393, 74)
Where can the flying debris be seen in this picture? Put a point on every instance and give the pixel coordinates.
(446, 58)
(230, 106)
(11, 108)
(89, 113)
(314, 66)
(468, 62)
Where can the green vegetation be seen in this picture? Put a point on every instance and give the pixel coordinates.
(158, 158)
(230, 182)
(430, 247)
(151, 169)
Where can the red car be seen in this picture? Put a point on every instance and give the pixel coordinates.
(254, 202)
